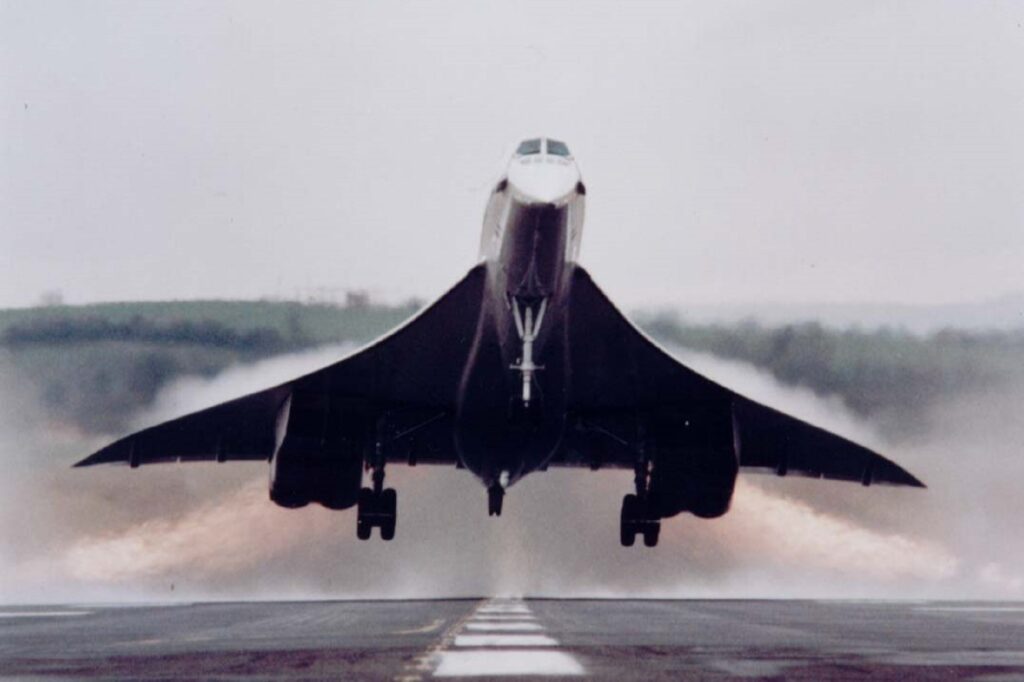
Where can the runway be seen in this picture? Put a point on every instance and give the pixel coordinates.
(507, 638)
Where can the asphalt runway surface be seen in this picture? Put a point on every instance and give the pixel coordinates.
(510, 639)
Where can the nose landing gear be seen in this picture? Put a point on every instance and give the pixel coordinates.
(528, 328)
(495, 496)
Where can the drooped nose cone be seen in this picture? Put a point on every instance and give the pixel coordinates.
(543, 179)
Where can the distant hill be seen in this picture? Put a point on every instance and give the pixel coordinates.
(94, 366)
(297, 324)
(1003, 313)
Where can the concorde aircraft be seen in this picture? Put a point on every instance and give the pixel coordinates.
(524, 364)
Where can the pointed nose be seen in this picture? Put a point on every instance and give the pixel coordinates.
(543, 180)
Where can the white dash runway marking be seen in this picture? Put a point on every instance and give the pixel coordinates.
(504, 626)
(493, 663)
(501, 638)
(513, 608)
(504, 640)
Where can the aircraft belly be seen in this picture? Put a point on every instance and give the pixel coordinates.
(493, 434)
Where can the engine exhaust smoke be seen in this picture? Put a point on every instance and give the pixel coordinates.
(209, 531)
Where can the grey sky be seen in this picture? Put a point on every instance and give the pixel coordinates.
(798, 151)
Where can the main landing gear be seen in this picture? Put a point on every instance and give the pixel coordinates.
(636, 519)
(378, 506)
(637, 516)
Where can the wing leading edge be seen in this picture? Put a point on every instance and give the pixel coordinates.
(410, 375)
(620, 376)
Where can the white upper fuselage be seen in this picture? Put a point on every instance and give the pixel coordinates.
(543, 178)
(535, 179)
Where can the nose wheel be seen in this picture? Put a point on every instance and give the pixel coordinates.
(495, 496)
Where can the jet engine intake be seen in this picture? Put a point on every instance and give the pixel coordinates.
(319, 457)
(695, 463)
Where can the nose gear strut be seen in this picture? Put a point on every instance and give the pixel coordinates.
(527, 326)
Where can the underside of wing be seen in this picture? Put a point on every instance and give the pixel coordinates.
(241, 429)
(775, 443)
(630, 398)
(400, 389)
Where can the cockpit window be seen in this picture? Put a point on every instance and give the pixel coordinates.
(557, 148)
(529, 147)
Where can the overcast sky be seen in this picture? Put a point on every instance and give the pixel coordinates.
(743, 151)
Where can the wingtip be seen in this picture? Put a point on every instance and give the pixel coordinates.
(891, 473)
(911, 481)
(111, 454)
(88, 461)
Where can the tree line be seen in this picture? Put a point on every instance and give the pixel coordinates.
(74, 330)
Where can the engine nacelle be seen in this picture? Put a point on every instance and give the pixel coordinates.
(696, 462)
(318, 455)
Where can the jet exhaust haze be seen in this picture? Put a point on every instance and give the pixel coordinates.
(458, 385)
(209, 531)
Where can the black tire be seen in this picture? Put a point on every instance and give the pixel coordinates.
(365, 501)
(627, 534)
(387, 507)
(363, 529)
(627, 520)
(651, 531)
(289, 501)
(630, 508)
(389, 502)
(495, 500)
